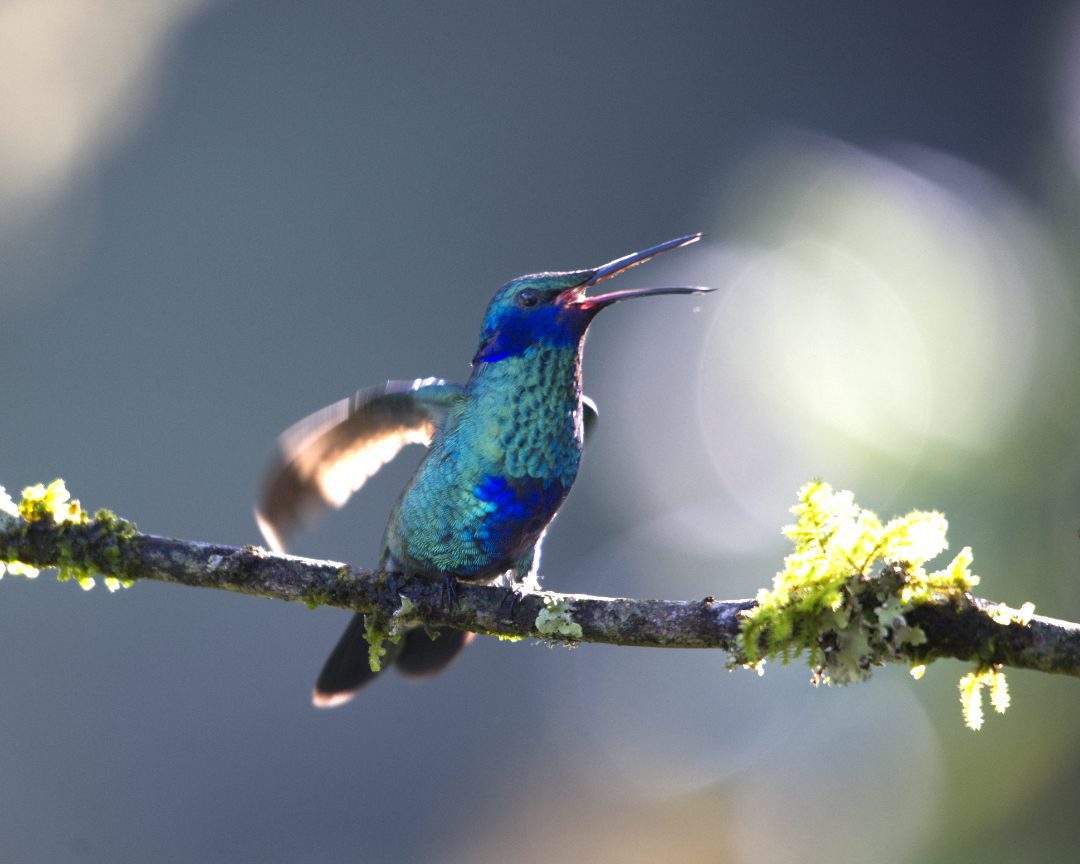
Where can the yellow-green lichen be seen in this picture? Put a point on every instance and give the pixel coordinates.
(1003, 614)
(846, 589)
(556, 619)
(18, 568)
(971, 687)
(406, 610)
(53, 504)
(405, 618)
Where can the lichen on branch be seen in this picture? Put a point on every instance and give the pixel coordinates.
(53, 505)
(854, 593)
(846, 592)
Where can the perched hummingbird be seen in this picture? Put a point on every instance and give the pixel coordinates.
(504, 452)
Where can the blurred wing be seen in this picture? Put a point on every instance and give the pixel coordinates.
(326, 457)
(591, 415)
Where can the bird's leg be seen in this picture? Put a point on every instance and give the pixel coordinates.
(511, 598)
(510, 601)
(448, 591)
(521, 579)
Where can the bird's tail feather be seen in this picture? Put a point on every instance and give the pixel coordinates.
(421, 655)
(347, 669)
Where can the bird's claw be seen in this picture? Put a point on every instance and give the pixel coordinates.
(512, 599)
(448, 591)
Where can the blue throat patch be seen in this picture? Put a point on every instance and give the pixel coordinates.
(517, 330)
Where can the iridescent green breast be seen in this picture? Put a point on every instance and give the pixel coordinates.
(498, 472)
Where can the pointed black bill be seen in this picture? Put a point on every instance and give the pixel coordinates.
(620, 265)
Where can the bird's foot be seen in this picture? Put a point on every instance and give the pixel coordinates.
(515, 593)
(448, 591)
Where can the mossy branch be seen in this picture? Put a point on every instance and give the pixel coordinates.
(481, 608)
(966, 629)
(831, 601)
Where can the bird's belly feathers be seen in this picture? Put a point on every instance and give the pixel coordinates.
(476, 529)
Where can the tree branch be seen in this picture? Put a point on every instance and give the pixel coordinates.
(965, 629)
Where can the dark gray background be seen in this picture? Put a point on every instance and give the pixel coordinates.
(306, 199)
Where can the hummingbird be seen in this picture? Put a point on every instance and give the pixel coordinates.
(504, 450)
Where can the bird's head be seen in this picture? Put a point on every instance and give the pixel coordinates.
(553, 309)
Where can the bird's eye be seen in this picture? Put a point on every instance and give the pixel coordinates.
(528, 298)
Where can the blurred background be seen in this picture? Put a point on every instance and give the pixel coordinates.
(216, 217)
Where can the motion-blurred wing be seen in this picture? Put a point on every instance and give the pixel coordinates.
(326, 457)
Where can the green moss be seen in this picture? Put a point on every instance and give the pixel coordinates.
(845, 591)
(323, 596)
(315, 598)
(377, 632)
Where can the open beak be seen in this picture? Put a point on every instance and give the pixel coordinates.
(576, 296)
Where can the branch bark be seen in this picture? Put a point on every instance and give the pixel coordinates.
(965, 630)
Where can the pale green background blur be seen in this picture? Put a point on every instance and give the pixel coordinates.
(216, 217)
